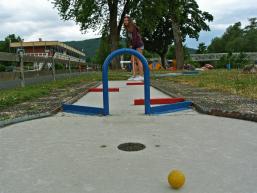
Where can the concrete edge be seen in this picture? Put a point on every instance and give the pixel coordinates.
(8, 122)
(215, 112)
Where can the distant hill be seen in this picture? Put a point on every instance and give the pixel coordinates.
(89, 46)
(191, 50)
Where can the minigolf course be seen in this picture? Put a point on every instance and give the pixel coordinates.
(178, 106)
(128, 150)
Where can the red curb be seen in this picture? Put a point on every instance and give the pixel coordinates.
(135, 83)
(101, 90)
(157, 101)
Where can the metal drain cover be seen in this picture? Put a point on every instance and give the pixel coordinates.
(131, 147)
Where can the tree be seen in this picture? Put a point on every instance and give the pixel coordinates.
(171, 52)
(250, 36)
(103, 50)
(181, 18)
(155, 27)
(216, 46)
(5, 45)
(187, 20)
(236, 39)
(159, 39)
(202, 48)
(96, 14)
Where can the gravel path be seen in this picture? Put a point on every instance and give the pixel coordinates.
(211, 102)
(46, 104)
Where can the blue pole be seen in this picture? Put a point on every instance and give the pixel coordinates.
(106, 110)
(228, 66)
(114, 54)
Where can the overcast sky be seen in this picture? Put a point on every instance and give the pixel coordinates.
(37, 19)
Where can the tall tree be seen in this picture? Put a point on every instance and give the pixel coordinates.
(181, 18)
(187, 20)
(202, 48)
(5, 45)
(159, 39)
(236, 39)
(97, 14)
(217, 46)
(250, 36)
(155, 27)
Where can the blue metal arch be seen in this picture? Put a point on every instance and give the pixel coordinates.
(108, 60)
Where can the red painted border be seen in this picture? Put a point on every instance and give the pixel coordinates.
(135, 83)
(101, 90)
(157, 101)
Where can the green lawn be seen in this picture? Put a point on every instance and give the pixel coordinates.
(14, 96)
(232, 81)
(221, 80)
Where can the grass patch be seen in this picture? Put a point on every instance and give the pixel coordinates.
(232, 81)
(4, 117)
(11, 97)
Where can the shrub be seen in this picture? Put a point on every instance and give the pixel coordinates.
(59, 66)
(2, 68)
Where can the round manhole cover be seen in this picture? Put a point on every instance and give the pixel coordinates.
(131, 147)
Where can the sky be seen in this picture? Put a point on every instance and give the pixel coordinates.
(38, 19)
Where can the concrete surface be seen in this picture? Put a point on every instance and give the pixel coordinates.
(63, 154)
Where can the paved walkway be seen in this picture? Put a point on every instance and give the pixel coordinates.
(65, 153)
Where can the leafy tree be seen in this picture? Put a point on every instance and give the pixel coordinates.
(159, 39)
(103, 50)
(202, 48)
(4, 46)
(155, 28)
(187, 20)
(181, 18)
(97, 14)
(253, 24)
(217, 46)
(171, 52)
(250, 37)
(241, 60)
(2, 68)
(236, 39)
(237, 61)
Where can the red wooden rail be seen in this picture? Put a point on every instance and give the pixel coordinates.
(101, 90)
(156, 101)
(135, 83)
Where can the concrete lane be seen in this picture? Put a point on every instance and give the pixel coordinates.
(65, 153)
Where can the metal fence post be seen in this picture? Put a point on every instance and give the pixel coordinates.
(69, 66)
(53, 68)
(22, 70)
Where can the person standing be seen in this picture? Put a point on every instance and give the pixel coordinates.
(136, 43)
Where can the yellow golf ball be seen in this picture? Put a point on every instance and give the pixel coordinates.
(176, 179)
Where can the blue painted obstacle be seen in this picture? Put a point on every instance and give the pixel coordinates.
(83, 110)
(146, 78)
(180, 106)
(105, 110)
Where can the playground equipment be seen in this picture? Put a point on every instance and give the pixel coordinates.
(155, 66)
(105, 110)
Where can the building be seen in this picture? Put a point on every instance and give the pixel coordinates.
(49, 49)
